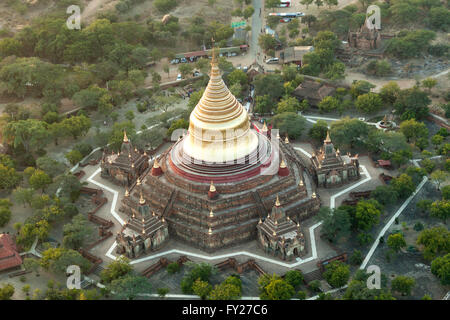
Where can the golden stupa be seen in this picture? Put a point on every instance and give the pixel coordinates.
(219, 129)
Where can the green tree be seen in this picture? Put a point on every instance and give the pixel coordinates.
(76, 126)
(435, 241)
(201, 288)
(403, 285)
(77, 232)
(263, 104)
(5, 215)
(335, 223)
(412, 103)
(369, 102)
(384, 195)
(185, 69)
(440, 267)
(328, 104)
(440, 209)
(396, 242)
(309, 19)
(30, 133)
(201, 271)
(389, 92)
(367, 214)
(58, 259)
(89, 98)
(270, 84)
(9, 178)
(288, 104)
(437, 140)
(403, 185)
(429, 83)
(130, 286)
(248, 12)
(267, 42)
(237, 76)
(230, 289)
(439, 18)
(289, 123)
(6, 292)
(337, 274)
(39, 180)
(294, 278)
(117, 269)
(274, 288)
(194, 99)
(319, 130)
(74, 157)
(348, 132)
(446, 192)
(336, 70)
(23, 195)
(360, 87)
(414, 130)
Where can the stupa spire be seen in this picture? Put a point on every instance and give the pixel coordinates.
(219, 114)
(327, 139)
(125, 138)
(277, 202)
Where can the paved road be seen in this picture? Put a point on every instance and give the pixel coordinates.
(257, 21)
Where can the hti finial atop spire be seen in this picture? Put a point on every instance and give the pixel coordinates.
(277, 202)
(214, 57)
(141, 200)
(125, 138)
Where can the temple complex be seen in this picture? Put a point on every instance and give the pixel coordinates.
(331, 169)
(280, 236)
(124, 167)
(365, 38)
(213, 186)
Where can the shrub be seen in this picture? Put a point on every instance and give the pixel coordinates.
(173, 268)
(301, 295)
(403, 284)
(165, 6)
(294, 278)
(337, 273)
(83, 148)
(356, 258)
(314, 285)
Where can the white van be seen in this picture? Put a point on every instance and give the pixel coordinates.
(272, 60)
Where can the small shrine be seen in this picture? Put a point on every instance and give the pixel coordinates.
(143, 232)
(279, 235)
(331, 169)
(126, 166)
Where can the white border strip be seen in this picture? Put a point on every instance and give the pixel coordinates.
(391, 221)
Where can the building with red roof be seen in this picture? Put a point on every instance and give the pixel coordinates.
(9, 257)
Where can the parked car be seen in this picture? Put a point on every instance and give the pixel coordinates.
(233, 54)
(272, 60)
(175, 61)
(179, 77)
(183, 60)
(196, 73)
(286, 20)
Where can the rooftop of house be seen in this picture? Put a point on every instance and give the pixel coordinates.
(313, 90)
(9, 257)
